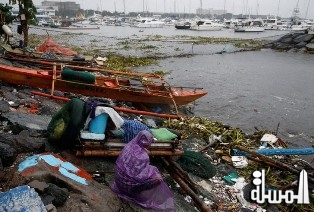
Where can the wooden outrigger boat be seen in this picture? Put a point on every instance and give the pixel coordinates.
(23, 54)
(123, 86)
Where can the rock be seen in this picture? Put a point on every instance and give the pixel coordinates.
(28, 121)
(310, 46)
(288, 40)
(282, 46)
(5, 62)
(7, 154)
(51, 208)
(47, 199)
(38, 185)
(303, 38)
(4, 106)
(23, 142)
(60, 194)
(300, 45)
(293, 41)
(97, 196)
(1, 165)
(33, 144)
(47, 110)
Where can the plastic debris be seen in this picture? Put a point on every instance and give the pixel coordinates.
(230, 178)
(239, 161)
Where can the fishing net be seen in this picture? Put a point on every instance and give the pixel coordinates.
(197, 164)
(51, 46)
(66, 124)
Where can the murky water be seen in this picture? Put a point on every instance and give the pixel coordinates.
(253, 89)
(245, 89)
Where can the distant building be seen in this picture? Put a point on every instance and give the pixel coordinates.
(65, 5)
(42, 12)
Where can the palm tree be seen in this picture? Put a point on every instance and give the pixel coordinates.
(27, 13)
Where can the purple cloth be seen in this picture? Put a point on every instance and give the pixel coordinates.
(138, 181)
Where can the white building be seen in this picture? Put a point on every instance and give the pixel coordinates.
(42, 12)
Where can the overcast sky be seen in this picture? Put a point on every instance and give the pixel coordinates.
(283, 8)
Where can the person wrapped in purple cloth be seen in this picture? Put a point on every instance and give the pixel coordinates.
(138, 181)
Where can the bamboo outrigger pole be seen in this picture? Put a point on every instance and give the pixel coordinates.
(186, 186)
(126, 110)
(54, 77)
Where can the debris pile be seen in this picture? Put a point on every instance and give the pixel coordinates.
(213, 173)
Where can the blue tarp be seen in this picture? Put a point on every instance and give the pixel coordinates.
(21, 199)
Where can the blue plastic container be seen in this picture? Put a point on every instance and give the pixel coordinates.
(98, 124)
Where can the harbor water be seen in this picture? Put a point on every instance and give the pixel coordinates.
(265, 89)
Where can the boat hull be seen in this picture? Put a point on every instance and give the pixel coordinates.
(182, 26)
(249, 29)
(205, 28)
(101, 88)
(80, 27)
(152, 25)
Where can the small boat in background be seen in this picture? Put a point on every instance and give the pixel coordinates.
(206, 25)
(249, 25)
(271, 23)
(183, 25)
(302, 26)
(150, 23)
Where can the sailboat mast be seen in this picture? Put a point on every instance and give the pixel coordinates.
(278, 8)
(307, 9)
(143, 7)
(224, 9)
(164, 6)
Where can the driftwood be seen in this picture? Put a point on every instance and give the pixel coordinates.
(208, 145)
(173, 166)
(115, 153)
(272, 162)
(185, 185)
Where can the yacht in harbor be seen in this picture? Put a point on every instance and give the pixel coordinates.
(231, 23)
(148, 22)
(250, 25)
(270, 23)
(206, 25)
(302, 25)
(182, 25)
